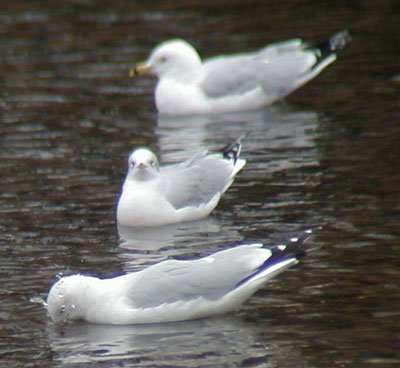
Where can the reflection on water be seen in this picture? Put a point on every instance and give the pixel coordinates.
(270, 129)
(203, 343)
(214, 340)
(141, 246)
(327, 156)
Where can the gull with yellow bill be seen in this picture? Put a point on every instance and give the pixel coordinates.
(238, 82)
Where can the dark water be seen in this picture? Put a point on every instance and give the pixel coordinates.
(328, 156)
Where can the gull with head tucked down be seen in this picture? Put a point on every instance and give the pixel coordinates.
(173, 290)
(154, 196)
(237, 82)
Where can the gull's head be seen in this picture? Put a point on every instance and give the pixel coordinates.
(175, 59)
(66, 299)
(143, 164)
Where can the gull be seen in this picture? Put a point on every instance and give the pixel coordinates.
(156, 196)
(173, 290)
(238, 82)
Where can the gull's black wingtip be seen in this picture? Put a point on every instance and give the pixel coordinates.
(335, 43)
(232, 150)
(291, 250)
(298, 241)
(302, 238)
(294, 245)
(339, 40)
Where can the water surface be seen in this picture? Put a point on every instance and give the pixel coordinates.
(328, 156)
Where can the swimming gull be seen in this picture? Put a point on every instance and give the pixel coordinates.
(173, 290)
(237, 82)
(155, 196)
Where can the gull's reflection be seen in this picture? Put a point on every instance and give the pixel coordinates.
(208, 342)
(274, 128)
(142, 246)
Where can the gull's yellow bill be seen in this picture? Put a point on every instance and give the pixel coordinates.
(140, 69)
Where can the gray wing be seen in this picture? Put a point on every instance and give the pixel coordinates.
(196, 182)
(276, 67)
(227, 75)
(210, 277)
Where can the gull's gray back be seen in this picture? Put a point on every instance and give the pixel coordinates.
(196, 182)
(274, 68)
(210, 277)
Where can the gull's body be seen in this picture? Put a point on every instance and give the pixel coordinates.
(172, 290)
(239, 82)
(155, 196)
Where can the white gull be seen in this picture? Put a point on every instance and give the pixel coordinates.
(155, 196)
(237, 82)
(173, 290)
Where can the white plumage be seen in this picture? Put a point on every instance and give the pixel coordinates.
(155, 196)
(238, 82)
(172, 290)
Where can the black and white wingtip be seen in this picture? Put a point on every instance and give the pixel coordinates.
(339, 40)
(282, 256)
(335, 43)
(293, 246)
(232, 150)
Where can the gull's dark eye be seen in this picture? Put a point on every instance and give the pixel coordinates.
(152, 163)
(163, 59)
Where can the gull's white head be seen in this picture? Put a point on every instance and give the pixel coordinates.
(175, 58)
(143, 164)
(66, 299)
